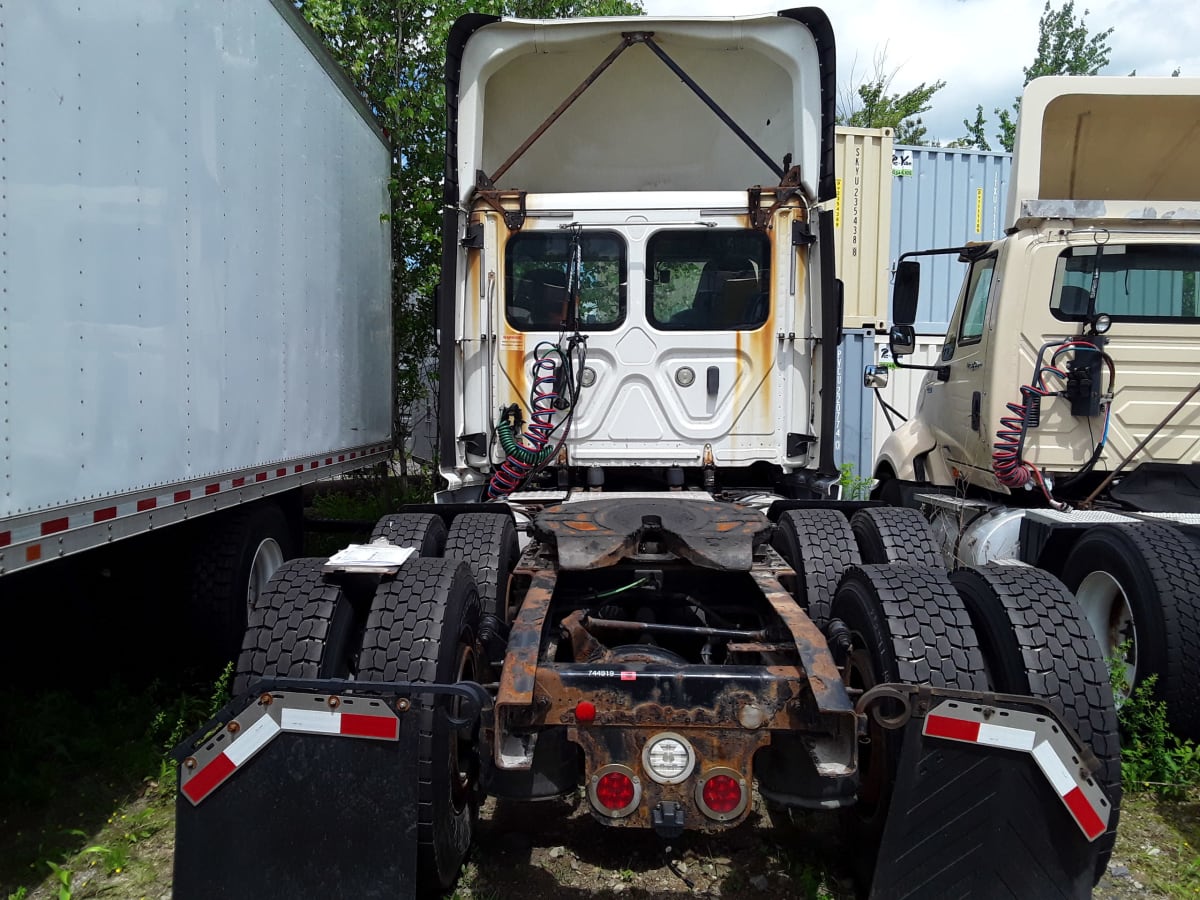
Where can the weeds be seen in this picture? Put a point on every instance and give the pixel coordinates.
(1153, 758)
(853, 486)
(63, 876)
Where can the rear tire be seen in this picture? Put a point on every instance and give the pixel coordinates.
(820, 545)
(488, 543)
(234, 561)
(896, 535)
(300, 627)
(908, 625)
(1036, 641)
(423, 532)
(1142, 583)
(423, 627)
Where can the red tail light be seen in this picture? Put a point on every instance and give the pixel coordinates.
(615, 790)
(722, 794)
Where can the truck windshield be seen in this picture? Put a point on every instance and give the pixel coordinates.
(1133, 282)
(536, 269)
(708, 280)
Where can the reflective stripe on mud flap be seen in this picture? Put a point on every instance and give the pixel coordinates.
(1038, 736)
(259, 724)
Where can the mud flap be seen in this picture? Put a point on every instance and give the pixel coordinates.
(302, 794)
(989, 803)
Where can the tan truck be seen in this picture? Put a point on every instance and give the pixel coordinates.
(1060, 426)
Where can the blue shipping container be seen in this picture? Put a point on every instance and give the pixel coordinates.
(944, 198)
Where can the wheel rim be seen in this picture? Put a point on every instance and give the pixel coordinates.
(1107, 608)
(268, 557)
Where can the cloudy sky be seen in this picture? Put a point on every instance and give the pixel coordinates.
(978, 47)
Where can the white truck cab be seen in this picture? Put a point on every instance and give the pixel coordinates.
(636, 272)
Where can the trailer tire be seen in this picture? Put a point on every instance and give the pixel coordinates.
(1036, 641)
(423, 627)
(300, 627)
(896, 535)
(235, 557)
(488, 543)
(1154, 571)
(908, 625)
(820, 545)
(423, 532)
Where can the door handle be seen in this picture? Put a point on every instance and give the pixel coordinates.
(714, 380)
(974, 364)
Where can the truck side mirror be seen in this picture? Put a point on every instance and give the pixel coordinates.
(875, 377)
(905, 291)
(902, 339)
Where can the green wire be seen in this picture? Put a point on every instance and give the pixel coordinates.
(621, 590)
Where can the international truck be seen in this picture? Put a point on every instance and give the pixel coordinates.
(1059, 426)
(196, 293)
(639, 588)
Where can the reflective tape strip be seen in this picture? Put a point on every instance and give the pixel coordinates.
(252, 739)
(207, 779)
(1008, 738)
(1052, 765)
(311, 721)
(259, 726)
(1056, 773)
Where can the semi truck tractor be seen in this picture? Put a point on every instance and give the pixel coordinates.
(1059, 426)
(196, 293)
(639, 587)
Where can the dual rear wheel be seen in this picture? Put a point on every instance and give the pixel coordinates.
(421, 626)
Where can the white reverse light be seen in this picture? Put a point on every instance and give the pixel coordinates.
(668, 758)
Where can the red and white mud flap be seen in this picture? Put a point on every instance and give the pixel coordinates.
(271, 804)
(990, 802)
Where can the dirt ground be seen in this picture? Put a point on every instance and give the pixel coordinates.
(555, 850)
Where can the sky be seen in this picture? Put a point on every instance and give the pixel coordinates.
(978, 47)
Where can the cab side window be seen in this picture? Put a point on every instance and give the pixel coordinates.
(979, 285)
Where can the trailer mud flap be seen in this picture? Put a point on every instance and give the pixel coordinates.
(304, 794)
(990, 802)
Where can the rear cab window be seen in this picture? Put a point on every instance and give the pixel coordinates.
(537, 270)
(712, 280)
(1128, 282)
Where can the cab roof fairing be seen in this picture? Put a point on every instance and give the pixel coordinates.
(637, 127)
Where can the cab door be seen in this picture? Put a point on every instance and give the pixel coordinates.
(956, 398)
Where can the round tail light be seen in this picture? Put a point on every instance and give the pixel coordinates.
(722, 794)
(615, 791)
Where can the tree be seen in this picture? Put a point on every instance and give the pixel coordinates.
(394, 52)
(872, 104)
(975, 136)
(1065, 47)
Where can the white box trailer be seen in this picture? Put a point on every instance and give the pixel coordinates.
(195, 278)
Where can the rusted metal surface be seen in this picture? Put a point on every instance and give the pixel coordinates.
(598, 533)
(627, 41)
(510, 204)
(524, 643)
(765, 202)
(823, 676)
(584, 647)
(723, 750)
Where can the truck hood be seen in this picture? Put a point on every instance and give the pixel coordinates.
(638, 126)
(1106, 139)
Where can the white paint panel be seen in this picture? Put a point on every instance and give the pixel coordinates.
(196, 277)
